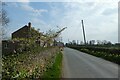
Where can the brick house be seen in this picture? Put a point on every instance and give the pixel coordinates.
(26, 32)
(23, 32)
(11, 46)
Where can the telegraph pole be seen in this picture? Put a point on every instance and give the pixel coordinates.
(83, 32)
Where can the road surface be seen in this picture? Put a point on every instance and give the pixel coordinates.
(77, 64)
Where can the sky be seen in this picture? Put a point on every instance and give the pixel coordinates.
(100, 18)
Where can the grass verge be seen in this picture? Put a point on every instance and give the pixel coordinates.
(55, 70)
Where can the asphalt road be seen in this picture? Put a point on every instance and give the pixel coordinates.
(77, 64)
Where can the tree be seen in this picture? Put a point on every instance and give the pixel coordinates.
(73, 42)
(4, 19)
(104, 42)
(109, 43)
(92, 42)
(50, 33)
(99, 42)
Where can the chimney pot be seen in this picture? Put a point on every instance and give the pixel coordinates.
(29, 24)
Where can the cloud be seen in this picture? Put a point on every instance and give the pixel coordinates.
(42, 25)
(26, 7)
(110, 11)
(35, 12)
(100, 19)
(16, 0)
(23, 0)
(13, 4)
(82, 1)
(97, 22)
(38, 12)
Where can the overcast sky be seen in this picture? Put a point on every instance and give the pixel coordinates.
(100, 18)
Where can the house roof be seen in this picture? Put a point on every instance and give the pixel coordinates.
(20, 29)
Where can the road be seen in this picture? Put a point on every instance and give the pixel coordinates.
(77, 64)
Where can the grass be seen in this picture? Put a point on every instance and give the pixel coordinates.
(55, 70)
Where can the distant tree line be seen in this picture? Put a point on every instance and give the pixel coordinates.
(92, 42)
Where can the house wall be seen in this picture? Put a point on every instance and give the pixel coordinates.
(9, 46)
(23, 32)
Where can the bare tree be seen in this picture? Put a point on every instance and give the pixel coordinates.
(4, 19)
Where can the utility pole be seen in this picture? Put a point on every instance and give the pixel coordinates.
(83, 32)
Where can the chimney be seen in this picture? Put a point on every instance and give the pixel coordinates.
(29, 24)
(29, 29)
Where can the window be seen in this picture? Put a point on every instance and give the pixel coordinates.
(6, 45)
